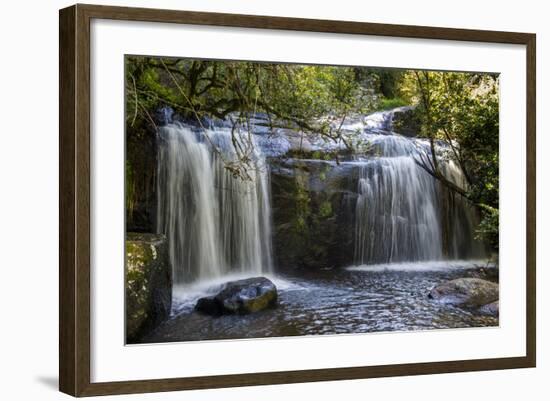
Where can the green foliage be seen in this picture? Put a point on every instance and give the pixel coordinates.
(391, 103)
(462, 111)
(385, 82)
(487, 229)
(309, 98)
(317, 155)
(325, 209)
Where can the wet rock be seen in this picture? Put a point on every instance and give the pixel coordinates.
(209, 305)
(141, 178)
(148, 283)
(405, 121)
(487, 273)
(313, 212)
(491, 309)
(164, 115)
(466, 292)
(240, 297)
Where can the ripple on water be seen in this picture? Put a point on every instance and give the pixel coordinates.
(359, 299)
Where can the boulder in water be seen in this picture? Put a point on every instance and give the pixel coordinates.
(467, 292)
(209, 306)
(148, 283)
(491, 309)
(240, 297)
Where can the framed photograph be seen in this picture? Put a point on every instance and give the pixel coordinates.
(250, 200)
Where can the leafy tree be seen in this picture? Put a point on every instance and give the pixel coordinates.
(315, 100)
(309, 98)
(460, 117)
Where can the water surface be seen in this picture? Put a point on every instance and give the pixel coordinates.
(359, 299)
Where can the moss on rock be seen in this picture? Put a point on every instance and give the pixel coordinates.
(467, 292)
(148, 283)
(240, 297)
(313, 212)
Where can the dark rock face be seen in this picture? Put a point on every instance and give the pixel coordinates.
(313, 208)
(164, 115)
(148, 283)
(240, 297)
(405, 122)
(490, 274)
(209, 306)
(466, 292)
(140, 180)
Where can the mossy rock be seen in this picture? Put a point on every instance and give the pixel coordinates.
(313, 204)
(148, 283)
(240, 297)
(466, 292)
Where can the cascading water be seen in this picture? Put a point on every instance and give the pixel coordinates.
(402, 212)
(397, 215)
(215, 223)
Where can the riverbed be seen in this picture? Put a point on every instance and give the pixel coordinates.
(357, 299)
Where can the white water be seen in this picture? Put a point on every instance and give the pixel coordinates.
(396, 212)
(219, 225)
(215, 223)
(424, 266)
(402, 212)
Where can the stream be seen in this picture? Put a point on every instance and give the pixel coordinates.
(374, 298)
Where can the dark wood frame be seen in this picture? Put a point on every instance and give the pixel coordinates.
(74, 199)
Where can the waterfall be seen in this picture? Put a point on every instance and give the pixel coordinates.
(215, 222)
(402, 212)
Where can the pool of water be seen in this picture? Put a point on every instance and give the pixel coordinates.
(358, 299)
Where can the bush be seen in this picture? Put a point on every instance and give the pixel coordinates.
(392, 103)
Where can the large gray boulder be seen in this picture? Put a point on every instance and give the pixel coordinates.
(240, 297)
(465, 292)
(148, 283)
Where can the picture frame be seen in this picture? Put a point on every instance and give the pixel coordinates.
(76, 200)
